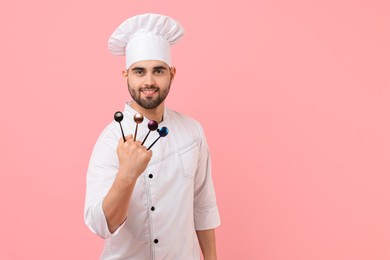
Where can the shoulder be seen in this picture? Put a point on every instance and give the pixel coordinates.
(110, 135)
(184, 123)
(185, 130)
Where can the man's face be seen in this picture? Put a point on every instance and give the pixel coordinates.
(149, 82)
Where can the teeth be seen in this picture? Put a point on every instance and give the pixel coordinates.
(149, 91)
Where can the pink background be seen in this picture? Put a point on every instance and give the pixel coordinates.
(293, 95)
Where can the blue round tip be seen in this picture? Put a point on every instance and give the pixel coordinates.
(163, 131)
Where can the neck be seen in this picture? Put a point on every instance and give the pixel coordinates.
(155, 114)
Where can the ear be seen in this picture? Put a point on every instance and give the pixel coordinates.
(173, 72)
(124, 73)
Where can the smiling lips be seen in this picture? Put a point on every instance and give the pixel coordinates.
(149, 92)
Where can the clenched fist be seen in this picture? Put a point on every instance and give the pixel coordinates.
(133, 157)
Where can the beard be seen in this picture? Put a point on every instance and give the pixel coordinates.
(149, 102)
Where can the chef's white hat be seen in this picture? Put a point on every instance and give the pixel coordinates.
(145, 37)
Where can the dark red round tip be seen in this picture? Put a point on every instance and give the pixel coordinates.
(152, 125)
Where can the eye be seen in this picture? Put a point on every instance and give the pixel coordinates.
(139, 72)
(159, 71)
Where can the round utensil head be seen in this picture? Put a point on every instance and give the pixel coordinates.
(152, 125)
(138, 118)
(163, 131)
(118, 116)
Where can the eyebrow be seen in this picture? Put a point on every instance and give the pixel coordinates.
(154, 68)
(137, 68)
(159, 68)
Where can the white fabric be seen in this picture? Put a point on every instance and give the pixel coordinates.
(145, 37)
(181, 191)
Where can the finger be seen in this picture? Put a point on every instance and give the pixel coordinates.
(129, 137)
(120, 141)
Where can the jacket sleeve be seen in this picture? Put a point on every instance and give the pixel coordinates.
(206, 215)
(102, 170)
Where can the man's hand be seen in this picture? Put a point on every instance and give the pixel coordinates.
(133, 157)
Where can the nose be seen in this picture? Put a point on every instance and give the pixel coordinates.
(149, 80)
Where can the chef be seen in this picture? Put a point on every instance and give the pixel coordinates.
(158, 203)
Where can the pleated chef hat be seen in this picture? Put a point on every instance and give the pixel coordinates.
(145, 37)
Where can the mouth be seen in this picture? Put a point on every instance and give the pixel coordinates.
(149, 92)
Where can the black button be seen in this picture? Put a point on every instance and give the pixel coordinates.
(150, 175)
(156, 241)
(152, 208)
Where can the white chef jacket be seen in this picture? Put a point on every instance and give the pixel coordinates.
(172, 198)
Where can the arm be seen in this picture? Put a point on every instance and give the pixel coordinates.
(207, 243)
(206, 214)
(133, 159)
(116, 203)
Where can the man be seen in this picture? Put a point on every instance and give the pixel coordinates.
(158, 203)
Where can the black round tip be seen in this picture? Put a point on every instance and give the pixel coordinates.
(118, 116)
